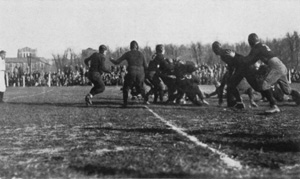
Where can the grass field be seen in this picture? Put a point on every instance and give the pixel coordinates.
(48, 132)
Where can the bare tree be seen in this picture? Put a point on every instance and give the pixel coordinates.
(197, 51)
(242, 48)
(293, 42)
(147, 52)
(58, 61)
(171, 51)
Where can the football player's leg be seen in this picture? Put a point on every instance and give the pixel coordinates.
(286, 88)
(94, 79)
(200, 94)
(232, 91)
(159, 87)
(161, 91)
(278, 93)
(127, 85)
(284, 85)
(224, 82)
(220, 92)
(180, 86)
(139, 81)
(250, 93)
(272, 77)
(171, 88)
(273, 107)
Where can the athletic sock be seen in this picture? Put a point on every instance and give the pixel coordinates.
(1, 96)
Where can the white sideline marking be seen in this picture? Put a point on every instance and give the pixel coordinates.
(26, 96)
(290, 167)
(225, 158)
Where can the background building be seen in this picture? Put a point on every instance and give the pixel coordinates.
(25, 52)
(28, 61)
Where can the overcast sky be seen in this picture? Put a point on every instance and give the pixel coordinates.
(53, 26)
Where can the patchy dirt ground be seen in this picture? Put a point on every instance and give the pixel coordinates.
(50, 133)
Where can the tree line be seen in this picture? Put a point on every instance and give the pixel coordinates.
(286, 48)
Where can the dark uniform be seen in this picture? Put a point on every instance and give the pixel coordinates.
(234, 76)
(166, 73)
(136, 71)
(152, 77)
(277, 71)
(96, 63)
(178, 78)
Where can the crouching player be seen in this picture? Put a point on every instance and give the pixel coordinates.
(236, 72)
(188, 83)
(96, 64)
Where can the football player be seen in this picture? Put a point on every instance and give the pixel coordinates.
(277, 71)
(136, 71)
(96, 64)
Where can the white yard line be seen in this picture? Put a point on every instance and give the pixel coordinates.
(27, 96)
(224, 157)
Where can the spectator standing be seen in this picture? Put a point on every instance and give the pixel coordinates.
(2, 75)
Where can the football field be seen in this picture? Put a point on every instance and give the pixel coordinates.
(48, 132)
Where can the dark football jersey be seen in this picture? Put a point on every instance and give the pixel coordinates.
(97, 63)
(260, 52)
(135, 60)
(154, 64)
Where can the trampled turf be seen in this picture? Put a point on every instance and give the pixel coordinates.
(50, 133)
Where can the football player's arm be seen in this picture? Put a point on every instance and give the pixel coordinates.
(119, 60)
(252, 57)
(228, 53)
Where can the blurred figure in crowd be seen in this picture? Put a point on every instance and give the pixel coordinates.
(2, 75)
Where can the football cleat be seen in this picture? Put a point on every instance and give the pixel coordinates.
(146, 102)
(239, 105)
(272, 110)
(253, 104)
(88, 100)
(205, 102)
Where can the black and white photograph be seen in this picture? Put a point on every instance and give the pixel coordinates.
(204, 89)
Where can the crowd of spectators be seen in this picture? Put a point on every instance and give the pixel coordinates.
(68, 76)
(295, 76)
(72, 76)
(208, 74)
